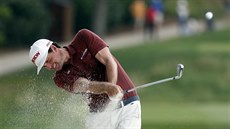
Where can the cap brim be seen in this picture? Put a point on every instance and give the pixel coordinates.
(42, 62)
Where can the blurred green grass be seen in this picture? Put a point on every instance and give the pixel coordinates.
(185, 116)
(206, 58)
(199, 100)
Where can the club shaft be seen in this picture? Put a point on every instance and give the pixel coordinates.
(151, 83)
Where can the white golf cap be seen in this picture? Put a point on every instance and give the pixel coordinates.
(39, 52)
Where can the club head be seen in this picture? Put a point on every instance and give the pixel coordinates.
(180, 69)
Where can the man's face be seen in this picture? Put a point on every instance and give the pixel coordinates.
(54, 59)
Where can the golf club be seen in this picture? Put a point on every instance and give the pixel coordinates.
(180, 69)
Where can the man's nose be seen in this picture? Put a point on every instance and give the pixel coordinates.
(48, 66)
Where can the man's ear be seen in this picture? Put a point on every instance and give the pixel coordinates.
(54, 48)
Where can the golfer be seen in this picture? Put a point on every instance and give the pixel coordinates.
(87, 66)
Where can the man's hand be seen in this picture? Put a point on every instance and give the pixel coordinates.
(117, 94)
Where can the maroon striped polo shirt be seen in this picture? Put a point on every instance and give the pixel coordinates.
(83, 63)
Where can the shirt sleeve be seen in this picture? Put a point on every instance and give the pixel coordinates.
(66, 77)
(62, 83)
(93, 42)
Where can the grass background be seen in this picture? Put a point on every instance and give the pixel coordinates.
(199, 100)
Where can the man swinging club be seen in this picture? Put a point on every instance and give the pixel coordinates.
(86, 66)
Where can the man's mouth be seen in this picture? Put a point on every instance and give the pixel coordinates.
(54, 66)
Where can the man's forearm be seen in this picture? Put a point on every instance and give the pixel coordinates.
(83, 85)
(105, 57)
(111, 70)
(103, 87)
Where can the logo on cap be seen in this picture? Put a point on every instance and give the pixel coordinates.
(35, 56)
